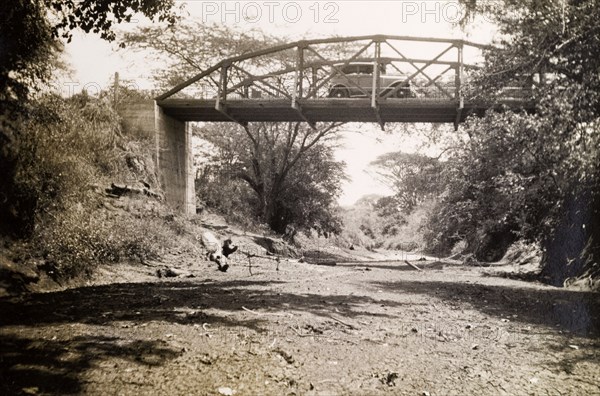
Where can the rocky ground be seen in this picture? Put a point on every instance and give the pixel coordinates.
(293, 328)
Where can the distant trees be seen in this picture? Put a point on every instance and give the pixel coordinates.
(413, 177)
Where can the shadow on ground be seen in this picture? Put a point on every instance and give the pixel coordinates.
(178, 301)
(575, 312)
(54, 366)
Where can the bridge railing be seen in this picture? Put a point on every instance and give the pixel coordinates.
(304, 69)
(401, 69)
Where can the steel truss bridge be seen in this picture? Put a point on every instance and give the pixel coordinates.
(293, 83)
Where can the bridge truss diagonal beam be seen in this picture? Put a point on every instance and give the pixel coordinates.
(293, 83)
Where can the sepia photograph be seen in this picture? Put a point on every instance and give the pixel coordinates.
(303, 197)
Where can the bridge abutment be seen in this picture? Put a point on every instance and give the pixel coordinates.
(175, 161)
(173, 155)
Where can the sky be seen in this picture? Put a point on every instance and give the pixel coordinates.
(94, 61)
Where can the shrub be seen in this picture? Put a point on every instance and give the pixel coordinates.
(75, 241)
(61, 149)
(64, 148)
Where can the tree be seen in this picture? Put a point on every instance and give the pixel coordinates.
(189, 47)
(289, 167)
(30, 28)
(535, 175)
(413, 177)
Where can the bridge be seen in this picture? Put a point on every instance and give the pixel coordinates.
(379, 79)
(322, 81)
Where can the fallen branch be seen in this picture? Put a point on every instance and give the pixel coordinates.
(250, 255)
(266, 313)
(344, 323)
(304, 335)
(412, 265)
(320, 335)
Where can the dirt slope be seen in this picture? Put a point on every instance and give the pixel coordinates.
(381, 328)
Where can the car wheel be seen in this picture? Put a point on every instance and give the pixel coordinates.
(402, 93)
(338, 92)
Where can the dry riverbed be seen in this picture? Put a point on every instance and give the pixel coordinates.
(301, 329)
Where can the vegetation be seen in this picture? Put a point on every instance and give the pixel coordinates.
(534, 176)
(284, 175)
(376, 222)
(413, 177)
(53, 150)
(69, 148)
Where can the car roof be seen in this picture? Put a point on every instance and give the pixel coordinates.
(364, 62)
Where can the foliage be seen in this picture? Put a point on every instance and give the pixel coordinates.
(51, 149)
(413, 177)
(189, 47)
(68, 147)
(532, 175)
(73, 242)
(29, 31)
(60, 147)
(377, 222)
(26, 50)
(100, 15)
(29, 52)
(285, 174)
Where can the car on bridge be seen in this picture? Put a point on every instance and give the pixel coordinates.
(355, 79)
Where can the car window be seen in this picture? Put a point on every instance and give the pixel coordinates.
(350, 69)
(366, 69)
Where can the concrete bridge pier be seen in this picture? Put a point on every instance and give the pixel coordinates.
(173, 156)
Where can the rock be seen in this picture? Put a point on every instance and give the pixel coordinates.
(286, 356)
(276, 246)
(224, 390)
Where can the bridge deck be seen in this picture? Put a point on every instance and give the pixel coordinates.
(325, 110)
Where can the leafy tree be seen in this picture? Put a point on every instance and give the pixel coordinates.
(537, 175)
(413, 177)
(99, 16)
(288, 167)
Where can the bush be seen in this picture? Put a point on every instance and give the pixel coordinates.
(75, 241)
(60, 151)
(65, 148)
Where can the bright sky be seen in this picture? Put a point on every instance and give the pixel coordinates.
(95, 62)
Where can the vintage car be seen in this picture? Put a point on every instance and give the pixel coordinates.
(355, 79)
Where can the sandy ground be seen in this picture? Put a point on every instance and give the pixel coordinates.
(304, 329)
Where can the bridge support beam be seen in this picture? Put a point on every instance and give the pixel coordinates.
(175, 161)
